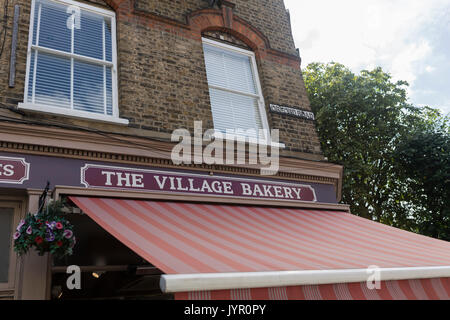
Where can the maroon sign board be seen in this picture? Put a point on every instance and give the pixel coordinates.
(14, 170)
(119, 178)
(33, 172)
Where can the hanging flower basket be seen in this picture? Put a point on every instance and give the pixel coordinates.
(46, 231)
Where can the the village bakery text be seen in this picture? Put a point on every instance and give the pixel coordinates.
(200, 185)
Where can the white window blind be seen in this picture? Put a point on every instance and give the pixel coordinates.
(71, 67)
(234, 92)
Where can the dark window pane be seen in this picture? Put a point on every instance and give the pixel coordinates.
(52, 80)
(6, 226)
(89, 38)
(53, 28)
(89, 87)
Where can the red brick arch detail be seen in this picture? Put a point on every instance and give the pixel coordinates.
(213, 20)
(115, 4)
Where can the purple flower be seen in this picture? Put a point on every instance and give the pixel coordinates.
(68, 234)
(73, 242)
(22, 222)
(29, 230)
(49, 236)
(16, 235)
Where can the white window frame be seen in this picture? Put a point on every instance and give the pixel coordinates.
(259, 95)
(34, 107)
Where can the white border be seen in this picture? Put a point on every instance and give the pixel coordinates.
(27, 170)
(66, 112)
(249, 280)
(74, 113)
(87, 7)
(87, 185)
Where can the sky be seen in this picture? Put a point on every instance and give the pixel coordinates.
(410, 39)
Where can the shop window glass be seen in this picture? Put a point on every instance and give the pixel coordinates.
(6, 225)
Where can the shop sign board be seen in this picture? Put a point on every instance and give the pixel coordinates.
(27, 171)
(14, 170)
(120, 178)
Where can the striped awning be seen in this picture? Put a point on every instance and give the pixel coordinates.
(418, 289)
(212, 246)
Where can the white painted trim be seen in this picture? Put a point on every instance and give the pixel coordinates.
(30, 40)
(72, 65)
(114, 71)
(248, 280)
(260, 96)
(87, 7)
(104, 68)
(72, 113)
(26, 105)
(249, 140)
(256, 96)
(72, 55)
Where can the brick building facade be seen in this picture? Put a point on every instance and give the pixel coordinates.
(162, 85)
(157, 40)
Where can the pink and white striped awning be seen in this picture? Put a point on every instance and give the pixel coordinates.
(423, 289)
(291, 246)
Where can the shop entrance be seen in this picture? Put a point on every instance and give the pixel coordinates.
(10, 212)
(109, 269)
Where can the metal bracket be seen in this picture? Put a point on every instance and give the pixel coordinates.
(43, 197)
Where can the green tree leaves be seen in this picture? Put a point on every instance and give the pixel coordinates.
(423, 160)
(365, 122)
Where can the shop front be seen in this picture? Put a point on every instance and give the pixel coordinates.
(97, 94)
(160, 232)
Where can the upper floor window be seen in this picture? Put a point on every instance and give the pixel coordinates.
(235, 92)
(71, 67)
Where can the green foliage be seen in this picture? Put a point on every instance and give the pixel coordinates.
(46, 231)
(423, 161)
(362, 121)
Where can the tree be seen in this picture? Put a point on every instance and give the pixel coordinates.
(423, 162)
(361, 121)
